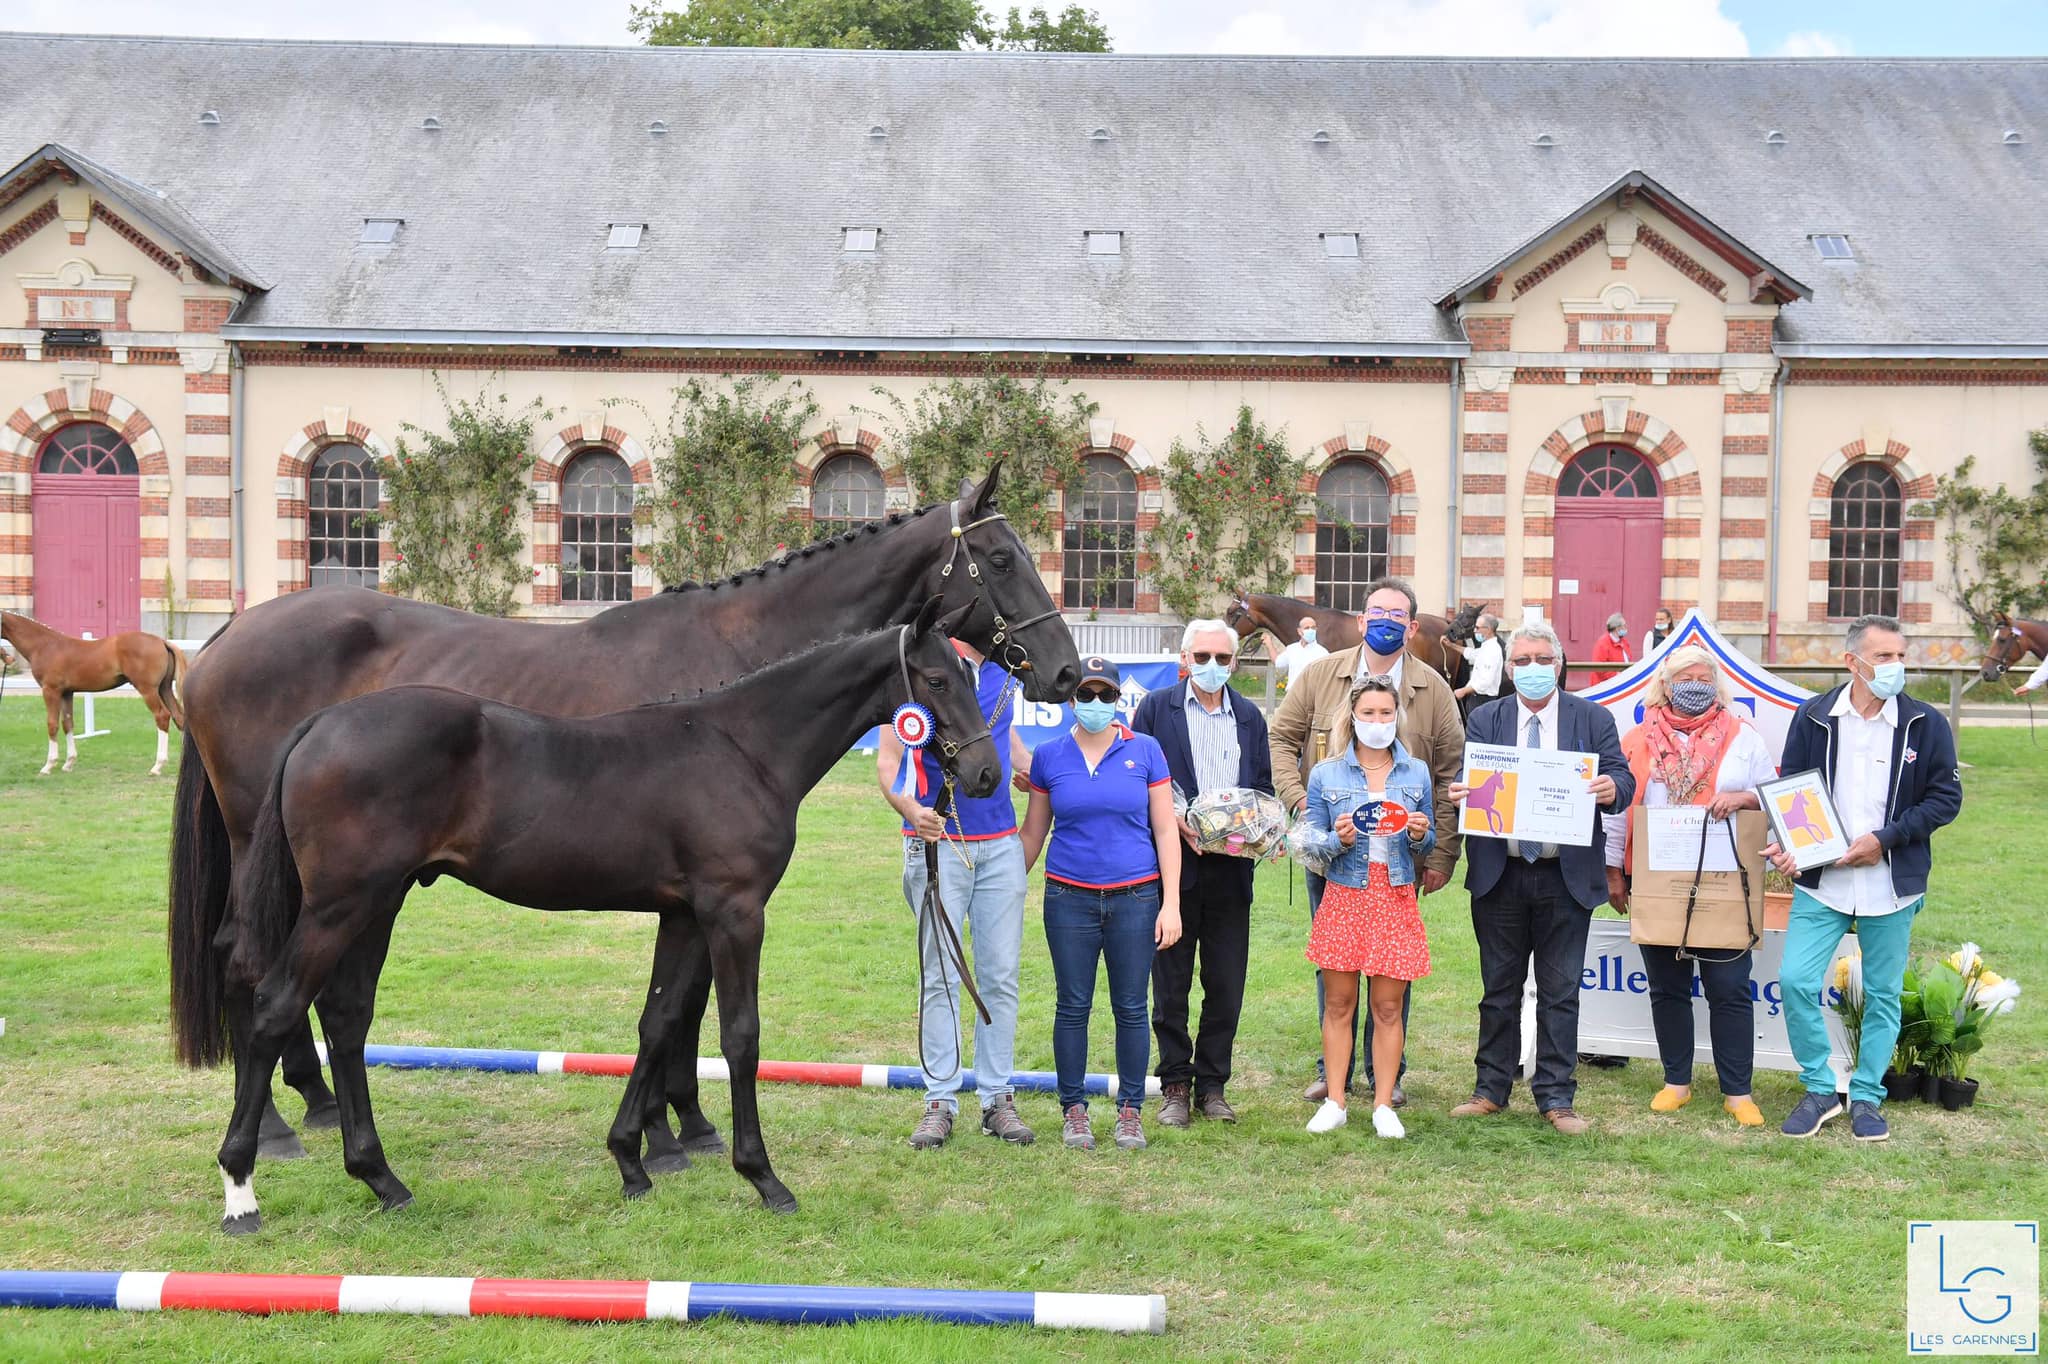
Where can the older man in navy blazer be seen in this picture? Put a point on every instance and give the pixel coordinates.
(1213, 739)
(1532, 900)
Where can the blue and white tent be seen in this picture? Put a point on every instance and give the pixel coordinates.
(1768, 700)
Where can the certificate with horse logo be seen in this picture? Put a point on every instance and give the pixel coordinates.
(1803, 819)
(1535, 795)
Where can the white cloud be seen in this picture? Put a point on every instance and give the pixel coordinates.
(1814, 43)
(1551, 28)
(1261, 31)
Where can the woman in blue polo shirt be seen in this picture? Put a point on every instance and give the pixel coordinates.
(1112, 889)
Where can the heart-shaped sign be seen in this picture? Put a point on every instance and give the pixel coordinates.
(1380, 817)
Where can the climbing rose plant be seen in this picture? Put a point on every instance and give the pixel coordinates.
(724, 478)
(955, 429)
(1996, 540)
(459, 503)
(1234, 503)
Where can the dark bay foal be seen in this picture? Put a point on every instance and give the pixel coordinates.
(402, 786)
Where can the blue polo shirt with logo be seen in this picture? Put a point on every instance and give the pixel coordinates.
(1101, 819)
(986, 816)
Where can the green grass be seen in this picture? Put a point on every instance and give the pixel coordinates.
(1677, 1237)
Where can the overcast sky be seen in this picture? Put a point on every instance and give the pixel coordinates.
(1722, 28)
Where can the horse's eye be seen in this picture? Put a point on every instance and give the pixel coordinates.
(1000, 561)
(935, 681)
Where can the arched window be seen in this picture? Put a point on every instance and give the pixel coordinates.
(1608, 471)
(846, 494)
(1864, 512)
(1354, 514)
(342, 492)
(1099, 569)
(86, 448)
(597, 528)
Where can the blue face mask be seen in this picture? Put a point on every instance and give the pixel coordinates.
(1535, 680)
(1308, 636)
(1210, 676)
(1887, 679)
(1095, 716)
(1385, 637)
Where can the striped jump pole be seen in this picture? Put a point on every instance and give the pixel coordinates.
(850, 1075)
(575, 1299)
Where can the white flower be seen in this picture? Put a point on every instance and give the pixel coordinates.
(2000, 998)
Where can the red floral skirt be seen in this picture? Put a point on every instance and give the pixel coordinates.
(1375, 930)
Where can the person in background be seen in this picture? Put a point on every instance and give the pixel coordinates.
(1889, 763)
(981, 884)
(1299, 654)
(1368, 927)
(2034, 680)
(1486, 663)
(1533, 900)
(1112, 890)
(1214, 739)
(1659, 632)
(1611, 647)
(1693, 748)
(1430, 729)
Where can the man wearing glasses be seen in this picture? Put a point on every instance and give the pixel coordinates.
(1213, 739)
(1427, 726)
(1532, 900)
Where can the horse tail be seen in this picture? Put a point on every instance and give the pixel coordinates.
(200, 875)
(169, 686)
(268, 892)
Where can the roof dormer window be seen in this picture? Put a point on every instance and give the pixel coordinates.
(624, 236)
(380, 231)
(1105, 243)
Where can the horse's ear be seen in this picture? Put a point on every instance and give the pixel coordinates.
(927, 615)
(985, 495)
(950, 626)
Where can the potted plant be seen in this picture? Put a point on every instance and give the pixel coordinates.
(1908, 1074)
(1961, 996)
(1777, 899)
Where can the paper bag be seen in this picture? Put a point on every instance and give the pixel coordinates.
(1721, 919)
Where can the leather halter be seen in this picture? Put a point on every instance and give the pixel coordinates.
(1010, 655)
(947, 746)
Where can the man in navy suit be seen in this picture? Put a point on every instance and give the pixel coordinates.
(1536, 900)
(1213, 739)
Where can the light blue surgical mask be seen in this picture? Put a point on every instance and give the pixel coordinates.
(1886, 679)
(1535, 680)
(1308, 636)
(1095, 716)
(1210, 676)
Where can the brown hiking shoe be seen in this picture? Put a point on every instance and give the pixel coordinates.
(1130, 1132)
(1074, 1129)
(1000, 1119)
(1478, 1106)
(933, 1128)
(1212, 1106)
(1316, 1092)
(1174, 1105)
(1567, 1122)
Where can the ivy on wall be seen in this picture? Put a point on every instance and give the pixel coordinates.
(953, 429)
(725, 475)
(460, 502)
(1996, 540)
(1233, 505)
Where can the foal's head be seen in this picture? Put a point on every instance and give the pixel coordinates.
(941, 681)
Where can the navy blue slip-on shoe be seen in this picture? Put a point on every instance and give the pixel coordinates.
(1867, 1123)
(1813, 1110)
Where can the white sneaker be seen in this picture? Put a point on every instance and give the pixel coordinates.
(1387, 1123)
(1331, 1116)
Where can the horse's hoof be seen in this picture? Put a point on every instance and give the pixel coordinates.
(43, 772)
(246, 1224)
(667, 1163)
(705, 1143)
(156, 771)
(65, 768)
(782, 1204)
(322, 1116)
(638, 1189)
(285, 1146)
(397, 1202)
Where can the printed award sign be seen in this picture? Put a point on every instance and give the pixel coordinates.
(1534, 795)
(1803, 819)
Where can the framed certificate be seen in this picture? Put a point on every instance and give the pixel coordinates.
(1803, 819)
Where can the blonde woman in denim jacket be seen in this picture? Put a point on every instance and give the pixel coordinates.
(1368, 926)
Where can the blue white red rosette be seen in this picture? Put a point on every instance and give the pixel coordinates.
(913, 725)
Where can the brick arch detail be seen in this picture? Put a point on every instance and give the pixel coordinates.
(1678, 472)
(20, 441)
(1400, 475)
(549, 464)
(1916, 533)
(294, 466)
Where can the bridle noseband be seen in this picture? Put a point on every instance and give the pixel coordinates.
(1010, 655)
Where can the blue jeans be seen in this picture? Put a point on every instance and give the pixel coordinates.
(1810, 941)
(1114, 927)
(987, 893)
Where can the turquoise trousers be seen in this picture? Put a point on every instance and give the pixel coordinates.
(1810, 942)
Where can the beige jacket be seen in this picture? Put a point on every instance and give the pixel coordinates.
(1301, 732)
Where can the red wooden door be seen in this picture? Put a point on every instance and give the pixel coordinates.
(1609, 547)
(86, 505)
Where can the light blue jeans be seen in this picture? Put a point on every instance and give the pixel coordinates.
(984, 898)
(1810, 940)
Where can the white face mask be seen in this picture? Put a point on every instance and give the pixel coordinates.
(1376, 733)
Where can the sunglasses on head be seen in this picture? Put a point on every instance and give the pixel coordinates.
(1203, 656)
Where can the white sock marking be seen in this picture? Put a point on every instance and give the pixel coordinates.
(240, 1198)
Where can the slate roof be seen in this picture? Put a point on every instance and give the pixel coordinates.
(988, 177)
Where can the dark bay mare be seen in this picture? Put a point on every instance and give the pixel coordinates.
(285, 659)
(2012, 639)
(1436, 642)
(397, 788)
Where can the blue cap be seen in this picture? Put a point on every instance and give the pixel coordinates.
(1096, 668)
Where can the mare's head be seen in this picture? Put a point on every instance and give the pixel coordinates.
(941, 681)
(1011, 618)
(1241, 616)
(1461, 626)
(2008, 647)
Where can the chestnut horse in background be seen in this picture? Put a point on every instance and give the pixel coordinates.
(63, 666)
(1436, 642)
(2012, 640)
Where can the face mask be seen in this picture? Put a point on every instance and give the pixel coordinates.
(1887, 679)
(1308, 636)
(1210, 676)
(1621, 633)
(1535, 680)
(1375, 734)
(1095, 716)
(1692, 698)
(1385, 637)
